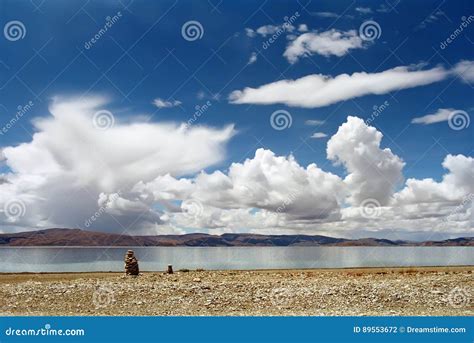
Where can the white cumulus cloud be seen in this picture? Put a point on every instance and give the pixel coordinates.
(374, 173)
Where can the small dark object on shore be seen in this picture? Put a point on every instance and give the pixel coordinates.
(184, 270)
(170, 269)
(131, 264)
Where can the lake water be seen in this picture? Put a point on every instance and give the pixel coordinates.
(157, 258)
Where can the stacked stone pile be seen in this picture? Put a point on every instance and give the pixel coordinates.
(131, 264)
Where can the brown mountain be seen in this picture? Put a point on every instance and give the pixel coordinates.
(77, 237)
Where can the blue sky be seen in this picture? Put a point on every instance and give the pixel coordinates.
(143, 56)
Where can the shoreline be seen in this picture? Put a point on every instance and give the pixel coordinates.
(402, 291)
(434, 267)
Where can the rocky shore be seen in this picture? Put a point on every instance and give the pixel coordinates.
(374, 291)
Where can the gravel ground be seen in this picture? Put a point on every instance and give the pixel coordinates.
(359, 292)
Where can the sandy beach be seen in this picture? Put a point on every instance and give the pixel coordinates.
(429, 291)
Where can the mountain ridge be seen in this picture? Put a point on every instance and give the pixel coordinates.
(83, 238)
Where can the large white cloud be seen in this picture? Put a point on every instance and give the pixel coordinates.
(319, 90)
(149, 177)
(69, 162)
(328, 43)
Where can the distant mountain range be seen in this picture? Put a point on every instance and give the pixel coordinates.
(77, 237)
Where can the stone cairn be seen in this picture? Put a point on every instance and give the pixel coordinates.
(131, 264)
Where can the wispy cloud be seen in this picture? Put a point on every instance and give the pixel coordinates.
(253, 58)
(303, 28)
(319, 135)
(267, 30)
(161, 103)
(441, 115)
(465, 70)
(332, 15)
(314, 122)
(327, 43)
(364, 10)
(433, 17)
(318, 90)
